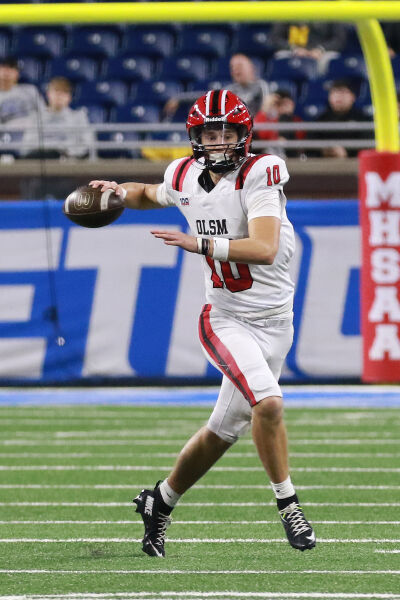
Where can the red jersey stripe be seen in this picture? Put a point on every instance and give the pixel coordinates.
(180, 171)
(221, 355)
(245, 169)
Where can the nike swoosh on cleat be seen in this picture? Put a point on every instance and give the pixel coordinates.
(311, 537)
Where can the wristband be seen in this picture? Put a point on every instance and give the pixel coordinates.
(203, 246)
(221, 249)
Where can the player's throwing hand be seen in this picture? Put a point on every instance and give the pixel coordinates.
(177, 238)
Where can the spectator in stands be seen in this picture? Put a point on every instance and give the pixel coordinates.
(17, 100)
(59, 131)
(279, 107)
(341, 99)
(245, 84)
(320, 41)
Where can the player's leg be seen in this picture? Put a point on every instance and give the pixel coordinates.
(270, 437)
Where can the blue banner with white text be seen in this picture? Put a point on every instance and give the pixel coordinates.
(84, 304)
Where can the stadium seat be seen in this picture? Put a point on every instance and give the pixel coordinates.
(5, 43)
(295, 68)
(315, 92)
(310, 112)
(157, 91)
(40, 42)
(203, 41)
(209, 84)
(345, 67)
(10, 137)
(148, 42)
(253, 40)
(78, 68)
(96, 112)
(396, 67)
(122, 138)
(30, 69)
(184, 69)
(107, 93)
(283, 84)
(130, 68)
(136, 113)
(90, 41)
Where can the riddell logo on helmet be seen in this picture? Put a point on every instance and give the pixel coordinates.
(219, 118)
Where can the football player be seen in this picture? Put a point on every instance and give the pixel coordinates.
(235, 206)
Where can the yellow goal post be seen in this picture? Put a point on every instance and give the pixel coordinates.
(364, 14)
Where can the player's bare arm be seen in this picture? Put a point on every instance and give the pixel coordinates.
(140, 196)
(259, 248)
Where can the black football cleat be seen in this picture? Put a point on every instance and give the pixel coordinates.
(298, 530)
(155, 522)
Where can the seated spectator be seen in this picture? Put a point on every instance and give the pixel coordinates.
(280, 108)
(320, 41)
(245, 84)
(341, 99)
(59, 131)
(17, 100)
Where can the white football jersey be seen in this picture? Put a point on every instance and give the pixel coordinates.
(253, 190)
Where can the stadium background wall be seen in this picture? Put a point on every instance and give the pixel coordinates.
(128, 307)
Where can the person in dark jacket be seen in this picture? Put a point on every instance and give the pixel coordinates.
(341, 99)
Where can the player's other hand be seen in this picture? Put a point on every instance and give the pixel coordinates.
(177, 238)
(107, 185)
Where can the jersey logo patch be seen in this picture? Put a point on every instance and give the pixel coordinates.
(184, 201)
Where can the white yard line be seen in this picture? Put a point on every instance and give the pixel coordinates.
(195, 541)
(173, 455)
(207, 572)
(216, 595)
(203, 504)
(179, 442)
(215, 469)
(387, 551)
(130, 486)
(140, 523)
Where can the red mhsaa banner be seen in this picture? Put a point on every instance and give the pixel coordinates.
(379, 190)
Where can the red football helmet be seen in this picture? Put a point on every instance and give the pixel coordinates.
(211, 122)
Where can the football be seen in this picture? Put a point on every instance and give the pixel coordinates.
(89, 207)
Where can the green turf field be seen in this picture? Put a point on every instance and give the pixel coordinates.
(68, 527)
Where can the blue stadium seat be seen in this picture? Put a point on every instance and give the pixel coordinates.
(97, 113)
(315, 92)
(189, 68)
(253, 40)
(396, 68)
(78, 68)
(10, 137)
(41, 42)
(30, 69)
(130, 68)
(209, 84)
(118, 137)
(283, 84)
(107, 93)
(295, 68)
(347, 67)
(93, 41)
(310, 112)
(169, 136)
(5, 43)
(203, 41)
(136, 113)
(155, 91)
(149, 41)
